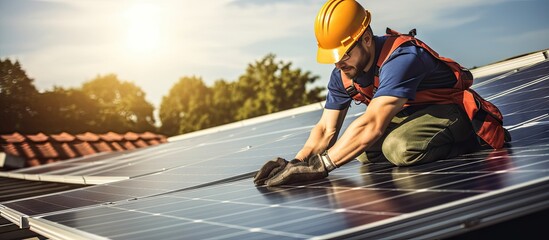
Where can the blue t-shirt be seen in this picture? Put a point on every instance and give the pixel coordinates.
(409, 69)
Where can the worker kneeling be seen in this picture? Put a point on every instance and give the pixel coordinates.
(420, 105)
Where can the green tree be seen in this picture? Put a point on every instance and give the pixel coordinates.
(267, 86)
(67, 110)
(17, 95)
(123, 106)
(225, 102)
(270, 86)
(186, 108)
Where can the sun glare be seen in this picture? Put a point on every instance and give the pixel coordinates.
(143, 27)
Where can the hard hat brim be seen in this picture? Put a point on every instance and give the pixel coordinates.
(329, 56)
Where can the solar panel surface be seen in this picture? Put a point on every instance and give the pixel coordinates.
(201, 187)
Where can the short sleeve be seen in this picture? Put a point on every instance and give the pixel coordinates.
(337, 98)
(401, 74)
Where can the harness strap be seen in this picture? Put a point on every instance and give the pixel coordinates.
(486, 118)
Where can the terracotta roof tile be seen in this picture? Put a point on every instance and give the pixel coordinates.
(13, 138)
(46, 150)
(41, 149)
(9, 148)
(63, 137)
(87, 137)
(111, 137)
(67, 151)
(102, 146)
(84, 148)
(140, 143)
(148, 136)
(26, 150)
(40, 137)
(131, 136)
(128, 145)
(116, 146)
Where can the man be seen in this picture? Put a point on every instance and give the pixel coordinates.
(420, 108)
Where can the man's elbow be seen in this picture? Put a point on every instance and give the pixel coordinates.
(369, 136)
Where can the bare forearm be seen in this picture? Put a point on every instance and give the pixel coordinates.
(352, 143)
(366, 129)
(317, 142)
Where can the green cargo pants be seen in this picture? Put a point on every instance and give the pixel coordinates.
(423, 134)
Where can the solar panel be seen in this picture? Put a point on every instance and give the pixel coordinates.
(201, 187)
(348, 199)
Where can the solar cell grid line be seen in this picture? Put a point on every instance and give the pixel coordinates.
(199, 190)
(534, 134)
(200, 149)
(66, 165)
(485, 80)
(522, 111)
(514, 80)
(292, 121)
(301, 136)
(490, 79)
(107, 228)
(145, 155)
(275, 224)
(237, 161)
(534, 82)
(517, 99)
(288, 212)
(448, 218)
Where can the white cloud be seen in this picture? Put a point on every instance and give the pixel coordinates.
(540, 35)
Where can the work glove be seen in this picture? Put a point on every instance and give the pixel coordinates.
(283, 172)
(269, 169)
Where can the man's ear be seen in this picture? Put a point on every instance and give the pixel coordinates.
(367, 38)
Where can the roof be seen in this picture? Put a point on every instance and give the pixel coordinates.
(200, 185)
(37, 149)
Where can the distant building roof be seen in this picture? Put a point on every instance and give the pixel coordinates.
(38, 149)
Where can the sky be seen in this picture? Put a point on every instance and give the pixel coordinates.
(155, 43)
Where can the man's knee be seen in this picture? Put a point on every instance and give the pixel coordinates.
(400, 152)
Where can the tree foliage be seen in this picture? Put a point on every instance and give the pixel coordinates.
(17, 97)
(267, 86)
(101, 105)
(122, 104)
(106, 103)
(67, 110)
(187, 107)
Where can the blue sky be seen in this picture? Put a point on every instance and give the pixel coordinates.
(155, 43)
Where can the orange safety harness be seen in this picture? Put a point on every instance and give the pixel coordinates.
(485, 117)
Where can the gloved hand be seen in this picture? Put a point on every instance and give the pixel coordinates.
(269, 169)
(283, 172)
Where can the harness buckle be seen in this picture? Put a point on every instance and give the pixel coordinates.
(351, 90)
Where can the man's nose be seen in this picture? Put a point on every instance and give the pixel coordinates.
(340, 64)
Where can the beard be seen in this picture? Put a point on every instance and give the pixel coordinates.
(349, 71)
(353, 71)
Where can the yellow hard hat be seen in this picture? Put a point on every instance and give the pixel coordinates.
(338, 25)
